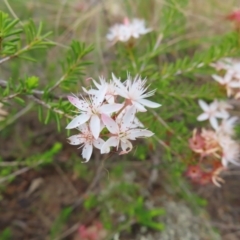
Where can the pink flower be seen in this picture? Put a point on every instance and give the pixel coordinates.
(122, 131)
(86, 140)
(92, 110)
(93, 232)
(135, 92)
(234, 16)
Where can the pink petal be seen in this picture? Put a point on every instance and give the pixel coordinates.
(111, 142)
(203, 105)
(110, 124)
(78, 121)
(87, 151)
(95, 126)
(148, 103)
(110, 108)
(80, 104)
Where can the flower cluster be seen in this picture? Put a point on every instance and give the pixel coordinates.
(127, 31)
(103, 122)
(215, 147)
(230, 76)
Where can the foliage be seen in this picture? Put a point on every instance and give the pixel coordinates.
(39, 69)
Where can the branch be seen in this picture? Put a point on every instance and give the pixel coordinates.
(37, 100)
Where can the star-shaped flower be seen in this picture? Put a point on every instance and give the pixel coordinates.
(211, 112)
(92, 110)
(122, 131)
(135, 92)
(86, 140)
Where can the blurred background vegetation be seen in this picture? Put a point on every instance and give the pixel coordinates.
(46, 192)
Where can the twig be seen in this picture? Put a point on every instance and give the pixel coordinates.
(167, 126)
(3, 83)
(68, 232)
(19, 172)
(37, 100)
(18, 115)
(9, 164)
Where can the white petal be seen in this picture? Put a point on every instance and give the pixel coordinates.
(222, 114)
(83, 128)
(126, 147)
(121, 89)
(224, 162)
(111, 142)
(97, 143)
(95, 126)
(127, 119)
(203, 105)
(87, 151)
(78, 121)
(139, 106)
(148, 103)
(136, 133)
(202, 117)
(98, 98)
(137, 123)
(80, 104)
(110, 108)
(110, 124)
(218, 79)
(214, 122)
(76, 139)
(234, 84)
(110, 98)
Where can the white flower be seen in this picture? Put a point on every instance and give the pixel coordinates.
(230, 149)
(92, 110)
(211, 112)
(110, 92)
(227, 126)
(228, 82)
(135, 92)
(124, 32)
(138, 28)
(225, 64)
(87, 140)
(122, 132)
